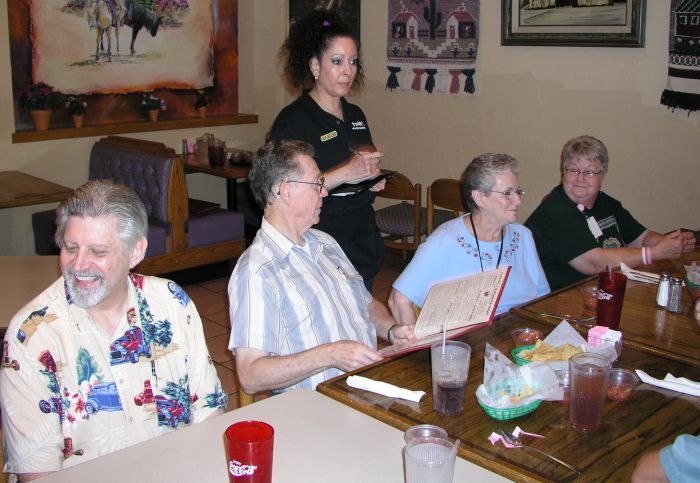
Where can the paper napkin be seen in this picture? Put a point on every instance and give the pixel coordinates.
(680, 384)
(639, 276)
(384, 388)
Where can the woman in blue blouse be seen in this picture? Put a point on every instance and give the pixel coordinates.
(485, 239)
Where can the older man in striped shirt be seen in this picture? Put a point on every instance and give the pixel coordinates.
(300, 313)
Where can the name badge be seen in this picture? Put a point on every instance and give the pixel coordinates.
(329, 136)
(593, 226)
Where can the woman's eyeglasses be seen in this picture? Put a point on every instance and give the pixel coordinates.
(321, 183)
(574, 172)
(510, 194)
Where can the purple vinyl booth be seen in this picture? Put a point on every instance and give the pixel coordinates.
(177, 238)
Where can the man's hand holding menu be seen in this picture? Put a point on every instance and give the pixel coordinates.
(460, 305)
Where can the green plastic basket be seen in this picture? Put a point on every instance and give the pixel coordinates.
(510, 413)
(519, 360)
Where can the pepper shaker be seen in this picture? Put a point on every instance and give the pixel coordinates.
(674, 296)
(662, 293)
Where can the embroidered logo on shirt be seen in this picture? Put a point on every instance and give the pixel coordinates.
(329, 136)
(358, 126)
(611, 242)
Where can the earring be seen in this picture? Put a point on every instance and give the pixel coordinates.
(315, 77)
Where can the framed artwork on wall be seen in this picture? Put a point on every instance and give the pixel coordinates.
(349, 9)
(573, 23)
(111, 53)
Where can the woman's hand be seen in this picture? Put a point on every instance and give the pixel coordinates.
(379, 186)
(362, 165)
(359, 166)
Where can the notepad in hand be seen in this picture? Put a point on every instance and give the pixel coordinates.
(463, 304)
(355, 188)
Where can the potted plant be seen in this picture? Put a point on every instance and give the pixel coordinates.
(201, 103)
(76, 109)
(39, 99)
(153, 105)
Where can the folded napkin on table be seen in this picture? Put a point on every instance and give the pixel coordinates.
(384, 388)
(638, 275)
(680, 384)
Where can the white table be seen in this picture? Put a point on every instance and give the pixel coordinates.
(316, 440)
(22, 279)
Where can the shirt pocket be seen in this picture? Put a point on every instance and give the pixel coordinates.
(296, 317)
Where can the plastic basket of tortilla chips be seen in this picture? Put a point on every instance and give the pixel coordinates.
(544, 352)
(510, 391)
(510, 413)
(516, 354)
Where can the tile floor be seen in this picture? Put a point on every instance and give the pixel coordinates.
(211, 299)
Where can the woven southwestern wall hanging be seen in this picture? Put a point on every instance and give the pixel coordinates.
(683, 87)
(432, 44)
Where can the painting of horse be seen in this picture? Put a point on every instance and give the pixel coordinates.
(103, 16)
(138, 17)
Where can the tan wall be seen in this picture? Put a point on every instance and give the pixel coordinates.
(529, 101)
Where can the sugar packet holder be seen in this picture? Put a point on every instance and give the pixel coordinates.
(602, 338)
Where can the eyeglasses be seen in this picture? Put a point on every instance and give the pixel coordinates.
(574, 172)
(321, 183)
(510, 194)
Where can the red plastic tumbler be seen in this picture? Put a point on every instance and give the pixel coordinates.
(611, 294)
(250, 452)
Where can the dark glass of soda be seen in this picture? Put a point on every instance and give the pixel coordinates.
(450, 368)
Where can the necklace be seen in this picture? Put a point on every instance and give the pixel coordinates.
(478, 248)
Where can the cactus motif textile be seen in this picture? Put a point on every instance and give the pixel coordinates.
(432, 45)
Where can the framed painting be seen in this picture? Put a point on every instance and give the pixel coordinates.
(349, 9)
(573, 23)
(110, 53)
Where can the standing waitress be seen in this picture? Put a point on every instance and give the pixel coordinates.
(322, 62)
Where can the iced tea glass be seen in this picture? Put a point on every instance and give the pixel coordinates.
(450, 368)
(588, 375)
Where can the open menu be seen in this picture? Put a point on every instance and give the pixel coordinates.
(462, 305)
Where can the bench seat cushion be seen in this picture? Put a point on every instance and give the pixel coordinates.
(44, 225)
(214, 226)
(157, 237)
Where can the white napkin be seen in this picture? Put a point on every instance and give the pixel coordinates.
(639, 276)
(680, 384)
(384, 388)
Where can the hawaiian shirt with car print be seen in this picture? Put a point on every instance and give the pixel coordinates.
(70, 392)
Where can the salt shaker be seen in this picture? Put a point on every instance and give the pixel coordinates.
(662, 293)
(674, 296)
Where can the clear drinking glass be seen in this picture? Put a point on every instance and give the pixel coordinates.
(450, 368)
(588, 375)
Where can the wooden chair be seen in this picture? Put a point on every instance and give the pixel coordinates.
(446, 193)
(244, 398)
(403, 220)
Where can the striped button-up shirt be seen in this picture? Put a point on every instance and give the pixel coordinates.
(285, 299)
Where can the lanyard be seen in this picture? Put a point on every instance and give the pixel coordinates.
(478, 248)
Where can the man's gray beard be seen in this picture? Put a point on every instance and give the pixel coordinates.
(85, 298)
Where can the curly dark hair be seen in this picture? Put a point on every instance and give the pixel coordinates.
(309, 37)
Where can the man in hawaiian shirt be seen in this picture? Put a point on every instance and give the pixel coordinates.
(103, 358)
